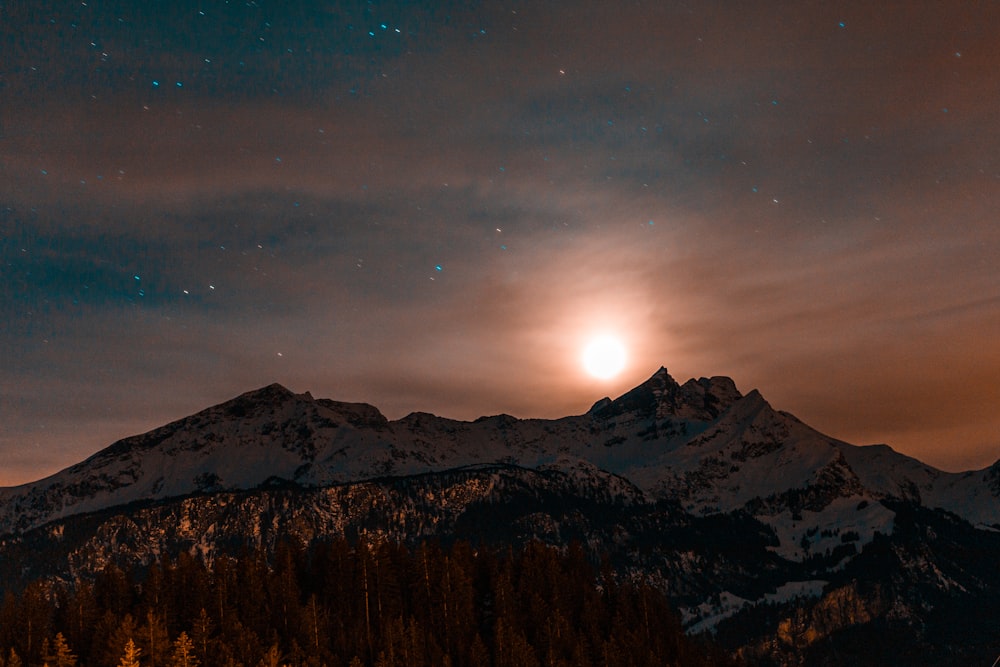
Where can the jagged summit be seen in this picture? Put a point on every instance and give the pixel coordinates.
(725, 501)
(265, 397)
(662, 396)
(271, 390)
(702, 444)
(599, 405)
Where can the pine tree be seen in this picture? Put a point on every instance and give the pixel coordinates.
(154, 639)
(30, 620)
(130, 658)
(283, 589)
(76, 615)
(272, 658)
(58, 653)
(478, 653)
(201, 633)
(14, 660)
(113, 590)
(183, 655)
(115, 634)
(313, 619)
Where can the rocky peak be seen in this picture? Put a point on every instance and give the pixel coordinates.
(254, 401)
(359, 415)
(703, 399)
(661, 396)
(599, 405)
(992, 477)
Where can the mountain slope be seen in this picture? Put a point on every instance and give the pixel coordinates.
(701, 443)
(791, 546)
(721, 570)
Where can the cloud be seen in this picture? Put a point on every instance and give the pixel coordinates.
(436, 223)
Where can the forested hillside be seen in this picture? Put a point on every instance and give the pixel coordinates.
(341, 604)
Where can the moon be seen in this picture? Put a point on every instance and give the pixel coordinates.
(604, 357)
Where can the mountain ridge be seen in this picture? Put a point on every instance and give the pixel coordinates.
(701, 443)
(781, 540)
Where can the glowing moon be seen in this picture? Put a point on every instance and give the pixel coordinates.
(604, 357)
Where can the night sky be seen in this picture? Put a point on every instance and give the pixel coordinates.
(431, 206)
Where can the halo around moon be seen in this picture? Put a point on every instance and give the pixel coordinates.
(604, 357)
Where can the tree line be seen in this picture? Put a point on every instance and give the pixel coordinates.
(352, 605)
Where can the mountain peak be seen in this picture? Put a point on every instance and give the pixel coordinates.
(259, 399)
(272, 432)
(269, 392)
(661, 396)
(600, 405)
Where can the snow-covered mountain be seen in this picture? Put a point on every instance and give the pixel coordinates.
(701, 443)
(781, 540)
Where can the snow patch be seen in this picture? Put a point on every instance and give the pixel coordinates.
(852, 520)
(706, 616)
